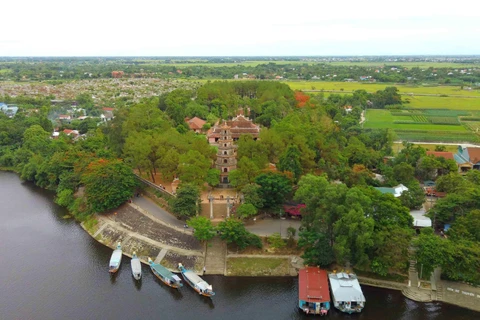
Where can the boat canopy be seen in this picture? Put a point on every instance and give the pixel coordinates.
(313, 285)
(164, 272)
(196, 280)
(116, 257)
(345, 287)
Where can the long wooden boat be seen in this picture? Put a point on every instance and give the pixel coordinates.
(115, 259)
(197, 283)
(347, 294)
(165, 275)
(313, 294)
(136, 266)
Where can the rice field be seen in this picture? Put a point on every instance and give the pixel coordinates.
(253, 63)
(425, 125)
(373, 87)
(452, 103)
(381, 119)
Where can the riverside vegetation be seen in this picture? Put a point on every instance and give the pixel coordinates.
(323, 158)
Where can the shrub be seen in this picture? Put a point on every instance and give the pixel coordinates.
(276, 241)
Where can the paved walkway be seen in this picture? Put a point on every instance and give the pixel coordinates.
(266, 227)
(261, 227)
(215, 256)
(155, 210)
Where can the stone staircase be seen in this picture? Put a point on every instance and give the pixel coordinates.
(215, 257)
(413, 273)
(416, 294)
(439, 296)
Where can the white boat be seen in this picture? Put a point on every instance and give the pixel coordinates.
(115, 259)
(136, 267)
(197, 283)
(347, 295)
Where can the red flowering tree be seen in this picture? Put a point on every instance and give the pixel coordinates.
(108, 183)
(302, 99)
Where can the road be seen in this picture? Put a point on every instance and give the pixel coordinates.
(155, 210)
(469, 145)
(267, 227)
(261, 227)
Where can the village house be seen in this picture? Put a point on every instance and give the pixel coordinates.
(64, 117)
(107, 114)
(195, 124)
(238, 126)
(395, 191)
(467, 158)
(9, 110)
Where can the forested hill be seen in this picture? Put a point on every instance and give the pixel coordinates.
(322, 159)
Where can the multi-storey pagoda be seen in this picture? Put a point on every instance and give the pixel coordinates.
(226, 155)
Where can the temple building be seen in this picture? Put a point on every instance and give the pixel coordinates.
(226, 155)
(238, 126)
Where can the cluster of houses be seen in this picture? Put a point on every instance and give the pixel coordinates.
(71, 114)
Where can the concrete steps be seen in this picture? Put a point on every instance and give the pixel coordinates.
(215, 256)
(439, 292)
(417, 294)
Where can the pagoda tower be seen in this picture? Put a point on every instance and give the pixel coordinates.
(226, 155)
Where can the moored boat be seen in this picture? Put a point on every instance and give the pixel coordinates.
(115, 259)
(347, 294)
(197, 283)
(165, 275)
(136, 266)
(313, 294)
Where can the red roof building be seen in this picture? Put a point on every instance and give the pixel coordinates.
(196, 124)
(238, 126)
(313, 293)
(441, 154)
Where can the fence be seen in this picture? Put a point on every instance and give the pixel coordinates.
(153, 185)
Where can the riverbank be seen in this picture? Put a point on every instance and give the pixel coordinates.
(167, 243)
(147, 237)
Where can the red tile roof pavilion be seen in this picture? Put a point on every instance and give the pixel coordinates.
(238, 126)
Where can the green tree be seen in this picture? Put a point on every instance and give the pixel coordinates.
(430, 251)
(452, 182)
(233, 231)
(187, 202)
(204, 230)
(403, 172)
(317, 249)
(252, 195)
(213, 177)
(108, 183)
(290, 161)
(273, 188)
(414, 197)
(193, 167)
(245, 173)
(246, 210)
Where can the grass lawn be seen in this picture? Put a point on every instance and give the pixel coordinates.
(258, 266)
(450, 148)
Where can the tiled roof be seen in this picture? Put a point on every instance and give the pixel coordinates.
(196, 123)
(441, 154)
(474, 155)
(238, 126)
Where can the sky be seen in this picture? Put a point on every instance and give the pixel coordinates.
(239, 28)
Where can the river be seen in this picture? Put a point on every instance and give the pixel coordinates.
(51, 269)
